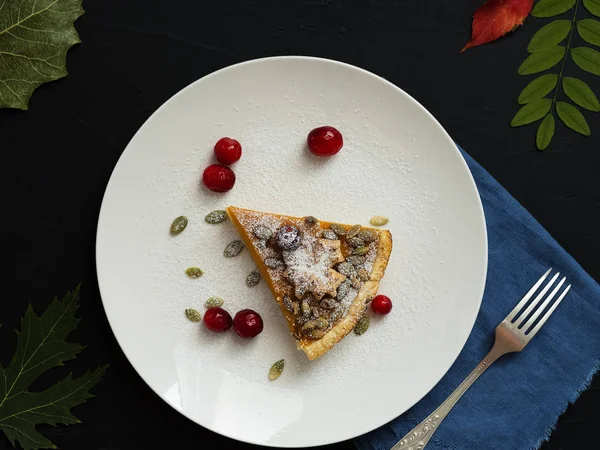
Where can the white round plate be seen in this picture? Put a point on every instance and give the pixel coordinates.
(397, 161)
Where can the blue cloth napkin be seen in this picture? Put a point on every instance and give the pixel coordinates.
(516, 403)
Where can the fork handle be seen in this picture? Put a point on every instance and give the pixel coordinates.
(419, 436)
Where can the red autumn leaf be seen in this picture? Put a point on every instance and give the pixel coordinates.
(495, 18)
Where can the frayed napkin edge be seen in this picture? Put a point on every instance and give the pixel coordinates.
(584, 386)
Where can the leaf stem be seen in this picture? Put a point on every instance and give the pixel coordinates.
(568, 47)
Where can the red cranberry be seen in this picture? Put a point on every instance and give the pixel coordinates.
(325, 141)
(381, 305)
(247, 324)
(217, 319)
(228, 151)
(218, 178)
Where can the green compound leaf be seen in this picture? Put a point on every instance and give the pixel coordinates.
(542, 59)
(589, 30)
(545, 132)
(592, 6)
(551, 34)
(572, 118)
(538, 88)
(581, 93)
(550, 8)
(531, 112)
(586, 58)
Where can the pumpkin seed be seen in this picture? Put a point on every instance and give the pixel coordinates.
(362, 325)
(179, 224)
(325, 314)
(262, 232)
(233, 249)
(273, 263)
(214, 302)
(288, 304)
(328, 303)
(367, 235)
(345, 268)
(301, 320)
(300, 290)
(363, 274)
(353, 231)
(356, 260)
(336, 315)
(216, 217)
(253, 278)
(379, 221)
(360, 251)
(337, 229)
(316, 334)
(194, 272)
(328, 234)
(322, 323)
(355, 282)
(356, 242)
(343, 289)
(305, 308)
(308, 327)
(276, 370)
(311, 220)
(315, 313)
(193, 315)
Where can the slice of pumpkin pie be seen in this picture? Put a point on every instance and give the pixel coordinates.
(321, 274)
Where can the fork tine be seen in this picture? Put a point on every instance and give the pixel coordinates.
(548, 314)
(536, 301)
(543, 306)
(525, 299)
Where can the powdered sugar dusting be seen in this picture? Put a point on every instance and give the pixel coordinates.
(309, 268)
(251, 220)
(307, 271)
(395, 162)
(370, 256)
(317, 178)
(346, 302)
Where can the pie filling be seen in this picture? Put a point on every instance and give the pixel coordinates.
(315, 269)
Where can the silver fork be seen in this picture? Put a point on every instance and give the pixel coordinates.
(511, 336)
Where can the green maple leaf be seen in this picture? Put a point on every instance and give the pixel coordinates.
(41, 346)
(35, 36)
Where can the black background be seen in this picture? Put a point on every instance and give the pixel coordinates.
(58, 157)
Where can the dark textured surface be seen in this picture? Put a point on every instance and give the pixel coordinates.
(58, 156)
